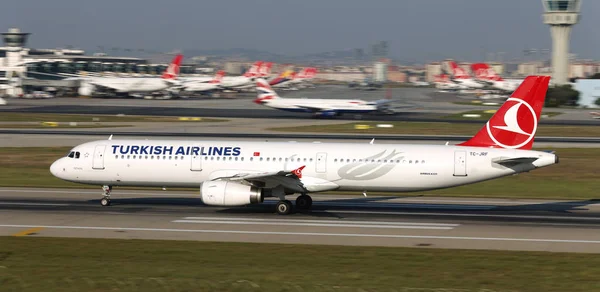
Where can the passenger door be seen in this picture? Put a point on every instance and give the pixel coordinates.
(98, 159)
(196, 162)
(321, 166)
(460, 163)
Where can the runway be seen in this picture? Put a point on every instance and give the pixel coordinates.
(535, 225)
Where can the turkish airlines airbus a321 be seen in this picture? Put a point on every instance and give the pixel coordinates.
(232, 173)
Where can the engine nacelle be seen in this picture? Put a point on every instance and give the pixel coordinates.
(227, 193)
(85, 89)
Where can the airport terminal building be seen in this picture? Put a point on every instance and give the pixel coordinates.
(50, 66)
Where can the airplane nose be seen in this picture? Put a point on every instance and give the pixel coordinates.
(56, 169)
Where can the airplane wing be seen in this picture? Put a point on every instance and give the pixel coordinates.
(288, 179)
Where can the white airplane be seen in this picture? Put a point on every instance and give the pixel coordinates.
(460, 76)
(259, 69)
(318, 107)
(487, 74)
(131, 85)
(443, 83)
(193, 86)
(237, 173)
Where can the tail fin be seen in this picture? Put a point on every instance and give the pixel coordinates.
(441, 78)
(302, 74)
(265, 69)
(284, 76)
(264, 91)
(485, 72)
(307, 73)
(514, 125)
(173, 70)
(218, 77)
(253, 71)
(457, 71)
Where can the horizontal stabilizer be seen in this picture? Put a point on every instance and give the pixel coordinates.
(508, 162)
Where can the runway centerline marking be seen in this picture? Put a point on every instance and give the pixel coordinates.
(321, 221)
(397, 236)
(28, 231)
(280, 223)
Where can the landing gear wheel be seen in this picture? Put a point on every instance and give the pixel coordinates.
(106, 189)
(284, 207)
(105, 202)
(304, 202)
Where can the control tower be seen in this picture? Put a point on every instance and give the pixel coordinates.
(561, 15)
(14, 70)
(14, 42)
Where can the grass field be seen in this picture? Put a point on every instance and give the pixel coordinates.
(70, 264)
(479, 103)
(575, 177)
(426, 128)
(35, 117)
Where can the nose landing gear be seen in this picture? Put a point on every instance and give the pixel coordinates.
(105, 201)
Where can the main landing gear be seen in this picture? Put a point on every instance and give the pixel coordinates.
(285, 207)
(106, 193)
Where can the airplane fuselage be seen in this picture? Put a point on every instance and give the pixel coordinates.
(322, 105)
(328, 166)
(128, 84)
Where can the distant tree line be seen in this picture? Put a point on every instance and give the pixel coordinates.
(562, 95)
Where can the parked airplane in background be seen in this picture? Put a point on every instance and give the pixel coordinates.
(318, 107)
(485, 73)
(130, 85)
(460, 76)
(237, 173)
(442, 82)
(200, 87)
(258, 70)
(291, 80)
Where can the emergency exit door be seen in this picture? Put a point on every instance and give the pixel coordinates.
(460, 163)
(98, 159)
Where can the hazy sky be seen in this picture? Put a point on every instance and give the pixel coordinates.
(417, 30)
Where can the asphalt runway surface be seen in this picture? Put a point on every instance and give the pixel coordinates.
(535, 225)
(408, 115)
(540, 141)
(411, 104)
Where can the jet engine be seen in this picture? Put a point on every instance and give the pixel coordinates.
(86, 89)
(227, 193)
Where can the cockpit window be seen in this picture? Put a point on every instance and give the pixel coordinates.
(74, 154)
